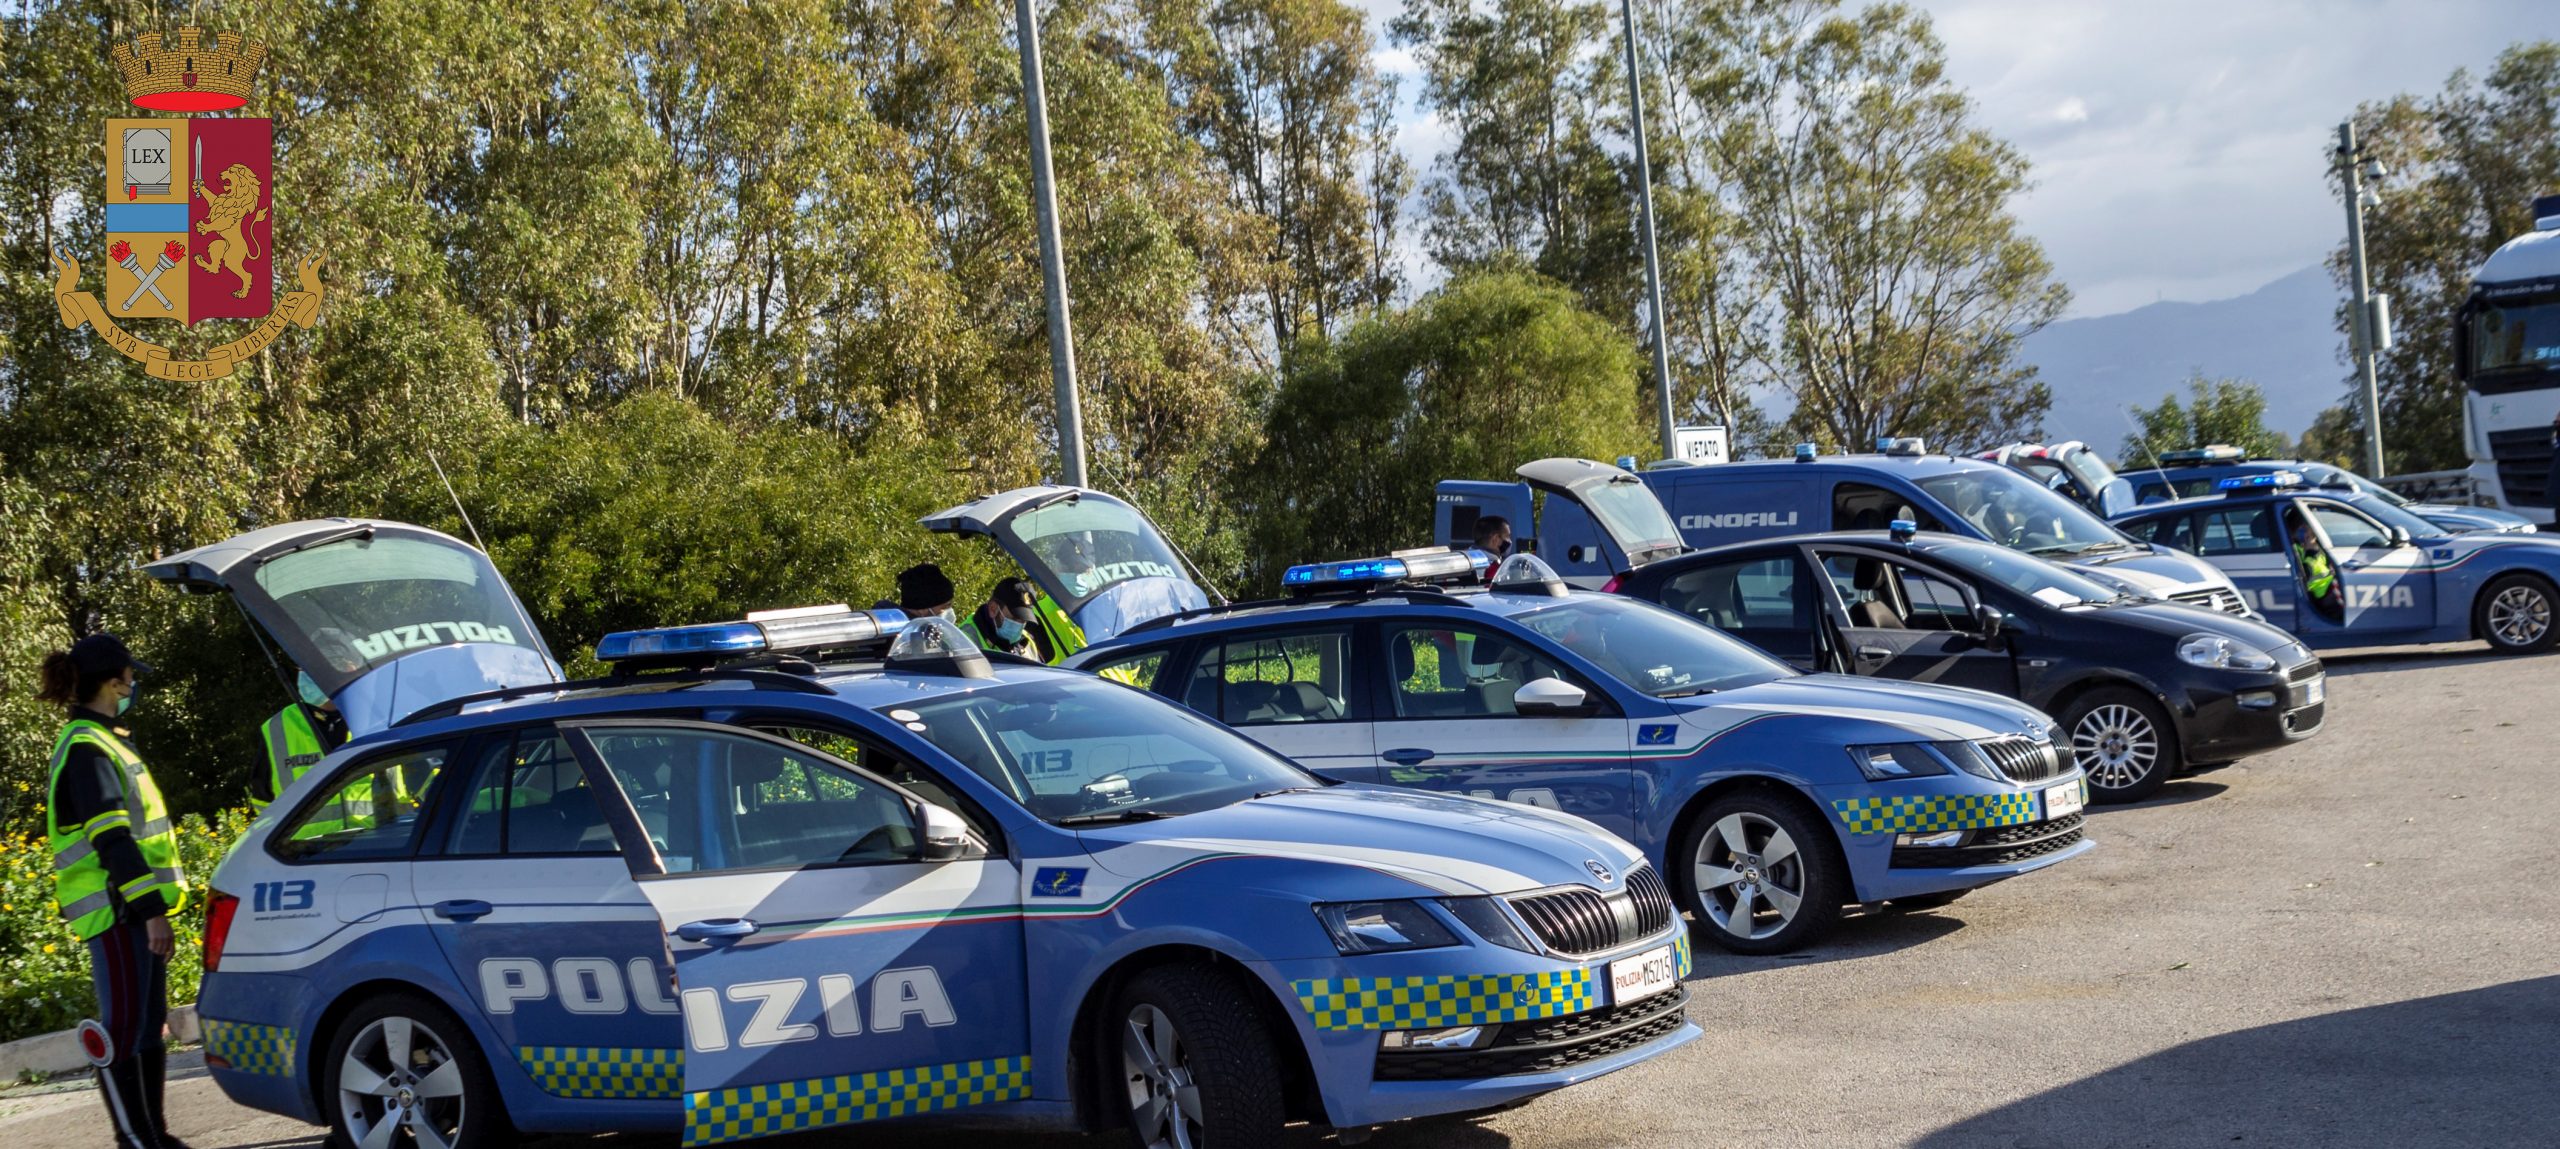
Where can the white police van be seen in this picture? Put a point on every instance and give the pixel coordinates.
(825, 867)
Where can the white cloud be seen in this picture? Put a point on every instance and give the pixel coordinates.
(2072, 111)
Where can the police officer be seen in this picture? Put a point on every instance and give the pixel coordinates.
(1009, 621)
(115, 876)
(299, 735)
(1493, 536)
(924, 591)
(2319, 579)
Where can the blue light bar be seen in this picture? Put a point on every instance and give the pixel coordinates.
(779, 631)
(1903, 529)
(1347, 571)
(709, 640)
(2268, 481)
(1432, 564)
(1805, 452)
(1626, 462)
(2217, 453)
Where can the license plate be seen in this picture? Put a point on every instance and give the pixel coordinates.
(2061, 800)
(2315, 691)
(1642, 976)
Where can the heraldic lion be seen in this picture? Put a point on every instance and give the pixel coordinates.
(228, 216)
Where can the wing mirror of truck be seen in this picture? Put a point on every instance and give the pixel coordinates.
(1551, 698)
(946, 838)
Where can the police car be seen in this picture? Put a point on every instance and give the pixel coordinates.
(1770, 799)
(1724, 503)
(826, 866)
(2400, 578)
(2197, 472)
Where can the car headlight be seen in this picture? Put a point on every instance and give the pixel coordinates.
(2214, 652)
(1488, 922)
(1382, 927)
(1898, 760)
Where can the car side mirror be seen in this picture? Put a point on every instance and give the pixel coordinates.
(1551, 698)
(946, 837)
(1990, 620)
(2399, 536)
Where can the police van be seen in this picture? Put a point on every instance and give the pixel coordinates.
(825, 867)
(1738, 502)
(1769, 799)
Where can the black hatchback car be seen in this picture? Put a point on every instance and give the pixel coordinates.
(2143, 688)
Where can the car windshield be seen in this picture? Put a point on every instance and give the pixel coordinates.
(2011, 510)
(1089, 542)
(2392, 516)
(1657, 651)
(1079, 751)
(1633, 516)
(2323, 475)
(2045, 582)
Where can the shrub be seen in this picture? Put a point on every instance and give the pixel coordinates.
(44, 971)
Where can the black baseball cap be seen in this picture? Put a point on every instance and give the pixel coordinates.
(103, 655)
(1015, 596)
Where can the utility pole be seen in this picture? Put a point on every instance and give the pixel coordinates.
(2362, 335)
(1652, 260)
(1053, 266)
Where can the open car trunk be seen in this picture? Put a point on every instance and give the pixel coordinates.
(1638, 528)
(1100, 559)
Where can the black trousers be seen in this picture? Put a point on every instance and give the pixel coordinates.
(133, 1004)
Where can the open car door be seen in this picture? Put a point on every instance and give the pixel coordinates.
(1102, 561)
(1634, 526)
(387, 617)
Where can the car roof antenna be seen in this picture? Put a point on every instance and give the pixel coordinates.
(457, 502)
(2157, 468)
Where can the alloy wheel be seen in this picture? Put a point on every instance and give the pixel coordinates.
(2519, 616)
(2116, 745)
(1749, 876)
(1164, 1100)
(400, 1075)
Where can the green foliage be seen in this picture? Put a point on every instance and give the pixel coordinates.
(2465, 165)
(2333, 438)
(44, 970)
(2217, 411)
(1488, 372)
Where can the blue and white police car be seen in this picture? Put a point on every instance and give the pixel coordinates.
(2400, 577)
(1770, 798)
(827, 866)
(2200, 471)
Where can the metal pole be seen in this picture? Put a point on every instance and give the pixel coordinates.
(1644, 218)
(2361, 329)
(1053, 268)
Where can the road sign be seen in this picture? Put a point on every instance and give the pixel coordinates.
(1700, 445)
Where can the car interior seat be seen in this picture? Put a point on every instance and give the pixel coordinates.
(1873, 611)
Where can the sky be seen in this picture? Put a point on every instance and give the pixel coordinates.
(2179, 146)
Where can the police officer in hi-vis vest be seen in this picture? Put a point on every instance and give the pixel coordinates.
(115, 876)
(298, 737)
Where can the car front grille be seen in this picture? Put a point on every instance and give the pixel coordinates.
(2215, 598)
(2024, 759)
(1580, 920)
(2303, 671)
(2524, 464)
(2004, 846)
(2306, 719)
(1545, 1046)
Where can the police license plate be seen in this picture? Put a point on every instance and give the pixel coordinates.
(1642, 976)
(2315, 691)
(2061, 800)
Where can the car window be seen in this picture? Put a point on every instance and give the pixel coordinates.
(1934, 603)
(2148, 530)
(2348, 530)
(370, 811)
(1884, 594)
(1649, 648)
(529, 797)
(751, 803)
(1138, 670)
(1861, 507)
(2236, 531)
(1302, 677)
(1746, 594)
(2008, 508)
(898, 768)
(1461, 672)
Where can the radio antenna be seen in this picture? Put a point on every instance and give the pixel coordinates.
(457, 502)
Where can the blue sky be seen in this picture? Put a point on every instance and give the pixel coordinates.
(2179, 145)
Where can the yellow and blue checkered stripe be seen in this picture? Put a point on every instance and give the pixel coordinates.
(597, 1072)
(719, 1115)
(1436, 1002)
(261, 1049)
(1680, 951)
(1921, 814)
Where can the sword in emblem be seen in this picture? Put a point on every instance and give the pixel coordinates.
(150, 280)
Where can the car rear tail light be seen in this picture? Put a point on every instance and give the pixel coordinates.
(1611, 586)
(217, 928)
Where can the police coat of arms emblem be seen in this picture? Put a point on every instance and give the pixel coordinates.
(190, 225)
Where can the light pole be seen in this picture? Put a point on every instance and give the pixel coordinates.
(1053, 267)
(1652, 260)
(2367, 331)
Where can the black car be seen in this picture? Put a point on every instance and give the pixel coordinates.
(2143, 688)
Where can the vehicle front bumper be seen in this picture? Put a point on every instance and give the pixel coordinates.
(2235, 715)
(1553, 1025)
(2006, 832)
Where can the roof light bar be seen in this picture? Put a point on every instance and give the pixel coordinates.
(1903, 447)
(2268, 481)
(1528, 574)
(1429, 564)
(1806, 452)
(766, 632)
(2217, 453)
(1902, 530)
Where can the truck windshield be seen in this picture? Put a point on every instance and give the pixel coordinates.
(1634, 517)
(1089, 542)
(2013, 511)
(1660, 652)
(2520, 336)
(1078, 751)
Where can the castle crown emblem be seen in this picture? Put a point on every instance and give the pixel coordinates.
(197, 72)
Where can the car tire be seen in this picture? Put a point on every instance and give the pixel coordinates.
(1784, 851)
(413, 1051)
(2123, 741)
(1927, 901)
(2515, 613)
(1190, 1047)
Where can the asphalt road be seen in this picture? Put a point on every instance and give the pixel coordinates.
(2349, 943)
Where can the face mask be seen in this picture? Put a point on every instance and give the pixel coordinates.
(126, 703)
(311, 692)
(1009, 631)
